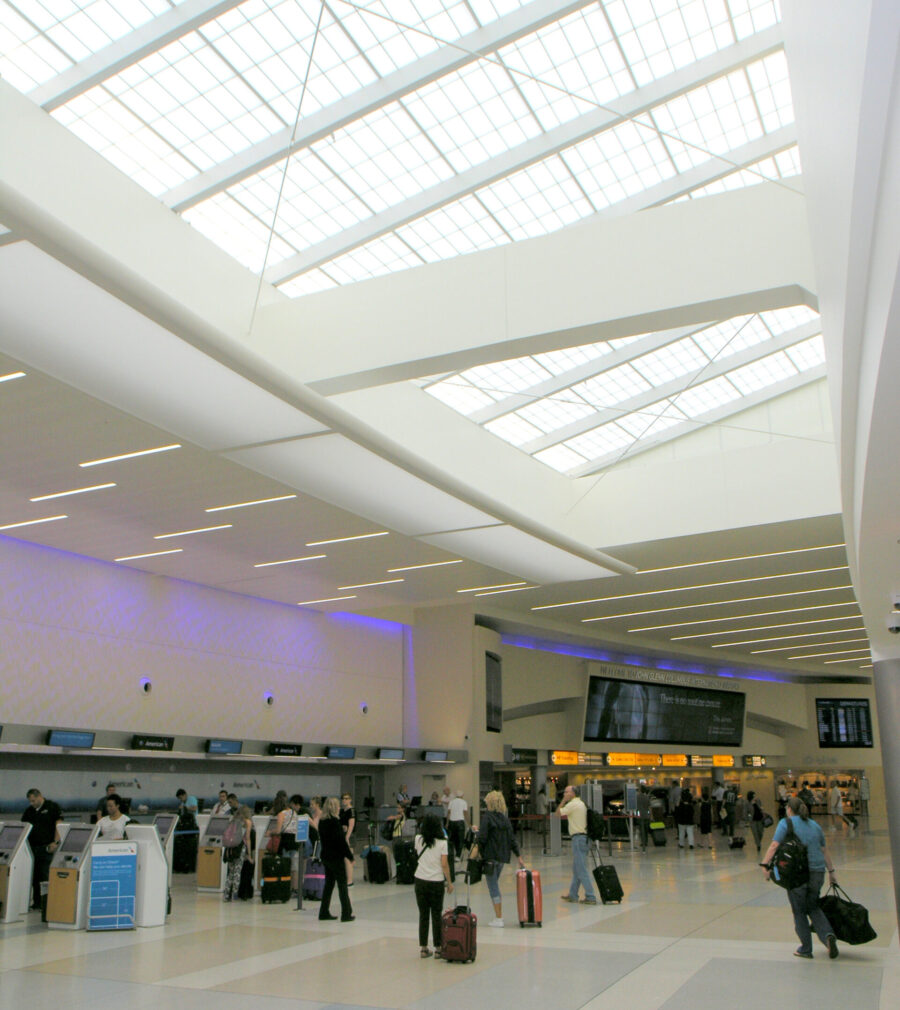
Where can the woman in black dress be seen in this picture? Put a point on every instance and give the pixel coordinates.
(334, 851)
(348, 823)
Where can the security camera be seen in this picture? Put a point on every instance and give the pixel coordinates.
(895, 600)
(269, 698)
(364, 708)
(146, 685)
(893, 624)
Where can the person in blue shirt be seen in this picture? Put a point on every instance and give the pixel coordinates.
(805, 898)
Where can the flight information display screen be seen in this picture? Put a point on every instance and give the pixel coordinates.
(639, 712)
(844, 722)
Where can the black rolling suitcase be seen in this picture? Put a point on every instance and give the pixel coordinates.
(405, 858)
(608, 885)
(245, 887)
(377, 868)
(276, 879)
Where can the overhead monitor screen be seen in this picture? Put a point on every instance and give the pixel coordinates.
(844, 722)
(638, 712)
(76, 839)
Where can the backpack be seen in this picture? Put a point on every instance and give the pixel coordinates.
(790, 864)
(730, 798)
(757, 811)
(594, 825)
(233, 834)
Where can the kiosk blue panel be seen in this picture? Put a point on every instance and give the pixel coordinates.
(113, 885)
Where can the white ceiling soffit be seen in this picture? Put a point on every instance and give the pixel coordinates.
(513, 550)
(90, 339)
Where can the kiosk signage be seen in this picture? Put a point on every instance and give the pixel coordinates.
(113, 885)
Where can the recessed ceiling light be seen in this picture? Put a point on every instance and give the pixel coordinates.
(742, 557)
(500, 585)
(153, 554)
(32, 522)
(367, 585)
(12, 375)
(430, 564)
(340, 540)
(745, 617)
(786, 638)
(77, 490)
(187, 533)
(839, 652)
(685, 589)
(132, 455)
(765, 627)
(828, 662)
(247, 504)
(716, 603)
(497, 592)
(328, 599)
(290, 561)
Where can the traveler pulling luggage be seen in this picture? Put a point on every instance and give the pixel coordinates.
(529, 898)
(276, 879)
(459, 928)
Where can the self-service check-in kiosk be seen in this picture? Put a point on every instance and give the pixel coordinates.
(210, 868)
(70, 878)
(165, 825)
(152, 890)
(16, 867)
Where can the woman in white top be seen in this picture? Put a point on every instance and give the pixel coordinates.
(113, 825)
(432, 878)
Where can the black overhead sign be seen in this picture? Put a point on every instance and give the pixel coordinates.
(291, 750)
(141, 742)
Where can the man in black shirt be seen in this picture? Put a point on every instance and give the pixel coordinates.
(44, 817)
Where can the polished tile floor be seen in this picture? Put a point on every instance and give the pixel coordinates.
(696, 930)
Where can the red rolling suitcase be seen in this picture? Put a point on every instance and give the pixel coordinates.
(458, 931)
(529, 898)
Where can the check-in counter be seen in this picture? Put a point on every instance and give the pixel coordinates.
(70, 875)
(210, 868)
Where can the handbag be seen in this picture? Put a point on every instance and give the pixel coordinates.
(849, 920)
(474, 870)
(768, 820)
(273, 844)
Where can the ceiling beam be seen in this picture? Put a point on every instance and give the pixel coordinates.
(448, 58)
(530, 152)
(128, 50)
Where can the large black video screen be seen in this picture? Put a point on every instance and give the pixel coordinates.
(844, 722)
(637, 712)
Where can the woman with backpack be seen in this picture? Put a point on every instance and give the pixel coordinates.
(803, 877)
(237, 846)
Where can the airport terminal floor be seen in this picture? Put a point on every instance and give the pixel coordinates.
(696, 929)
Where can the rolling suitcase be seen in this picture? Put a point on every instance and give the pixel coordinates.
(737, 842)
(276, 879)
(405, 858)
(608, 884)
(658, 832)
(459, 927)
(314, 877)
(529, 898)
(376, 867)
(245, 887)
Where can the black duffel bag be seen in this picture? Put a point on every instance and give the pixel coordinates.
(849, 920)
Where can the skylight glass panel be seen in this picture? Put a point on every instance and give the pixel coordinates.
(384, 157)
(110, 129)
(307, 284)
(225, 222)
(781, 320)
(554, 412)
(671, 361)
(807, 354)
(600, 441)
(189, 96)
(652, 420)
(764, 372)
(381, 256)
(462, 396)
(619, 163)
(536, 200)
(706, 396)
(751, 16)
(772, 89)
(473, 114)
(268, 44)
(28, 59)
(659, 37)
(314, 204)
(612, 387)
(504, 378)
(461, 227)
(561, 458)
(788, 162)
(559, 362)
(569, 67)
(513, 429)
(393, 33)
(731, 336)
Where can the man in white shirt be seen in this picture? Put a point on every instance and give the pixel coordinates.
(457, 821)
(221, 808)
(573, 808)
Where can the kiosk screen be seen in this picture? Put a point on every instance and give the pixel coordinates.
(76, 839)
(216, 826)
(163, 824)
(9, 836)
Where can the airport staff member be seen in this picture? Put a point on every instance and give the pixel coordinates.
(44, 817)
